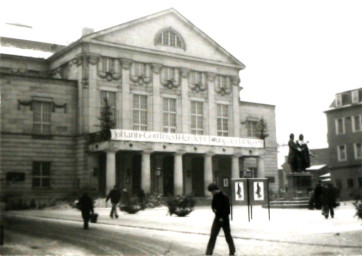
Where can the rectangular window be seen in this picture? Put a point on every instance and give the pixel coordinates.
(169, 115)
(357, 150)
(109, 98)
(355, 98)
(41, 174)
(339, 184)
(350, 183)
(139, 69)
(140, 117)
(356, 123)
(338, 100)
(15, 177)
(42, 117)
(197, 117)
(339, 126)
(342, 153)
(251, 128)
(107, 64)
(222, 120)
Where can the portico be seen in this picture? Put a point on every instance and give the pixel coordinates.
(172, 164)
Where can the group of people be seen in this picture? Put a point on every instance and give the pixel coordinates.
(85, 203)
(220, 206)
(298, 157)
(324, 197)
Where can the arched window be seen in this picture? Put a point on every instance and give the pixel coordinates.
(170, 37)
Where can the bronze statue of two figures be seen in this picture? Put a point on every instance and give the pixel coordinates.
(298, 157)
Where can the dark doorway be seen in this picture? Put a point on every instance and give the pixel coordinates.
(197, 172)
(167, 169)
(102, 173)
(136, 173)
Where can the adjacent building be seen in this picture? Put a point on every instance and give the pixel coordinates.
(171, 92)
(344, 123)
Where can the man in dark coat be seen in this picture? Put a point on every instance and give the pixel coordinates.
(293, 153)
(329, 198)
(85, 204)
(221, 207)
(115, 196)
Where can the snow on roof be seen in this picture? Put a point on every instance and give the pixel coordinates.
(24, 52)
(316, 167)
(327, 175)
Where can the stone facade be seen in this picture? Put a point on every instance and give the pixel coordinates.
(344, 122)
(160, 74)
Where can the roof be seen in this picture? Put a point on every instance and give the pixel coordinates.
(346, 100)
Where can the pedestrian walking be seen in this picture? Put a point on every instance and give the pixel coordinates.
(115, 196)
(329, 198)
(221, 207)
(85, 204)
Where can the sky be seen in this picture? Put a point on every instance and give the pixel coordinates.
(298, 53)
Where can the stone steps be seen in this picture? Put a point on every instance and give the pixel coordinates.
(289, 203)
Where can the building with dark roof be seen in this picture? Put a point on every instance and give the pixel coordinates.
(344, 123)
(170, 92)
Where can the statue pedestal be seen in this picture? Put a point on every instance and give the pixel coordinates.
(299, 184)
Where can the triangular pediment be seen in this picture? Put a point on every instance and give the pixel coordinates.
(143, 33)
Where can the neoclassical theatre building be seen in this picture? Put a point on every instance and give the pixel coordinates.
(173, 95)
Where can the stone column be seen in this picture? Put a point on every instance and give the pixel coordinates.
(178, 174)
(208, 173)
(146, 172)
(110, 170)
(236, 108)
(261, 170)
(185, 102)
(157, 100)
(83, 81)
(126, 113)
(235, 169)
(211, 104)
(93, 95)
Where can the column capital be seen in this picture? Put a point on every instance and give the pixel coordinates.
(185, 72)
(180, 152)
(92, 59)
(147, 151)
(237, 155)
(235, 80)
(126, 63)
(209, 154)
(156, 68)
(211, 76)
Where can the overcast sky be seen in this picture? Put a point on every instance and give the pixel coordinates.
(298, 54)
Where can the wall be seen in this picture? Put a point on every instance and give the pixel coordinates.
(20, 147)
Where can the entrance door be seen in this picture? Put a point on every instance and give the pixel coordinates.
(197, 171)
(167, 170)
(136, 173)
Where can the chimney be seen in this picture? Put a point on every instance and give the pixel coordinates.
(87, 31)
